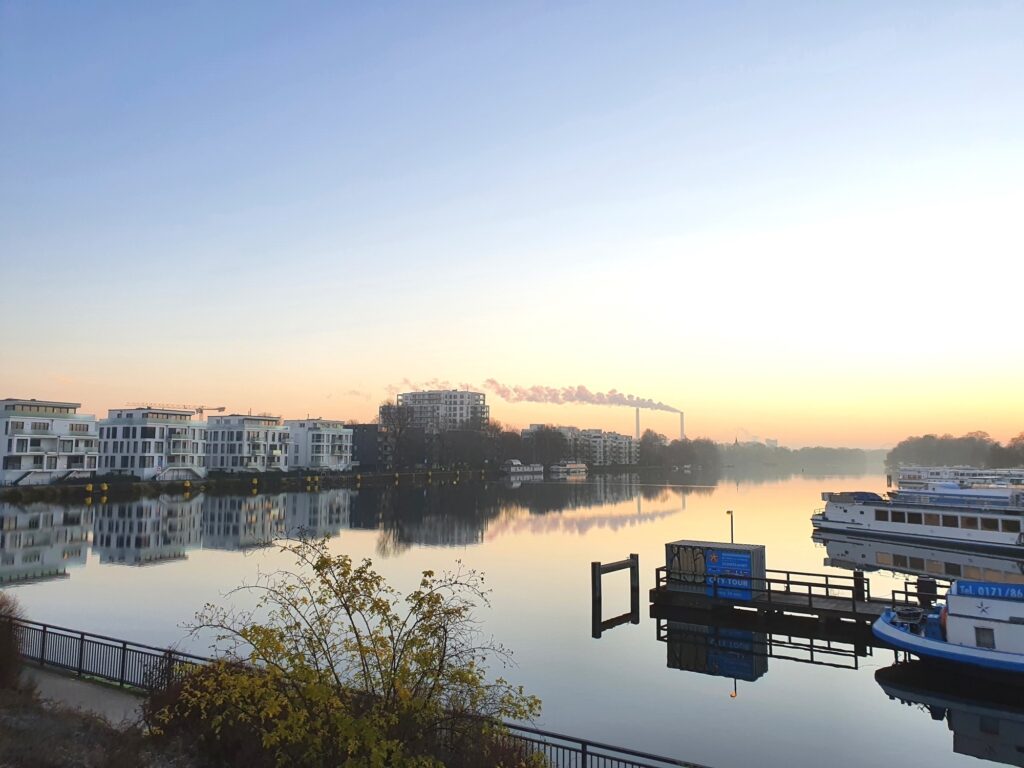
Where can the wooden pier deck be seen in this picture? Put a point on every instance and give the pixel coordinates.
(791, 593)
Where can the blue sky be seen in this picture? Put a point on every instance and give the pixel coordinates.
(365, 192)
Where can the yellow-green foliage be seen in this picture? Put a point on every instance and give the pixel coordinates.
(333, 667)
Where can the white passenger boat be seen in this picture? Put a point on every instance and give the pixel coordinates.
(987, 518)
(516, 468)
(568, 469)
(910, 477)
(980, 625)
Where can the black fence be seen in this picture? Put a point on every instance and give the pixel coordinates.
(149, 668)
(106, 658)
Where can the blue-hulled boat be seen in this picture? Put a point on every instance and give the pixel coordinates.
(980, 624)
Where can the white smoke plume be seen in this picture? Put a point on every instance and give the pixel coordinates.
(577, 394)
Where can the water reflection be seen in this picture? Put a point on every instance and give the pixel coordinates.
(147, 531)
(986, 720)
(39, 541)
(875, 554)
(739, 643)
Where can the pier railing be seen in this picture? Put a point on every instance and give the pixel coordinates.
(148, 668)
(923, 593)
(789, 589)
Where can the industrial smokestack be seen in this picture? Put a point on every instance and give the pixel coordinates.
(637, 423)
(682, 427)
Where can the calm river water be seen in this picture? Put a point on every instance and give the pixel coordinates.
(142, 569)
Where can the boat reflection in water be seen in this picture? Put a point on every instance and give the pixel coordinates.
(986, 719)
(875, 554)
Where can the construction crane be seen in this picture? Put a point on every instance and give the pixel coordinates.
(199, 409)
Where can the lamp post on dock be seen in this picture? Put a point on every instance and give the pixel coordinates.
(732, 527)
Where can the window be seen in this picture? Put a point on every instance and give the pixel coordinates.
(984, 637)
(900, 561)
(914, 518)
(953, 569)
(899, 517)
(989, 524)
(79, 427)
(882, 515)
(1011, 526)
(969, 522)
(989, 725)
(917, 563)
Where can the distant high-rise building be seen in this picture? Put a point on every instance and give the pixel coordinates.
(441, 410)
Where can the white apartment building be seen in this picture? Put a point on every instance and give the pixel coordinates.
(240, 443)
(42, 441)
(153, 444)
(442, 409)
(595, 447)
(319, 445)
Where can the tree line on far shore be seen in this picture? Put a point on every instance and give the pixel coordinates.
(975, 449)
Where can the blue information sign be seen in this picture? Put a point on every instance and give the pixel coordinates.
(728, 574)
(991, 590)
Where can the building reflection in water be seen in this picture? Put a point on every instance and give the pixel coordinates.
(147, 531)
(327, 513)
(986, 719)
(879, 554)
(41, 541)
(243, 522)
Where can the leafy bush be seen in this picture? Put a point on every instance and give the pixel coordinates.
(330, 669)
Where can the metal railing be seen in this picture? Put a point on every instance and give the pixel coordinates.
(924, 593)
(788, 588)
(97, 656)
(146, 667)
(562, 751)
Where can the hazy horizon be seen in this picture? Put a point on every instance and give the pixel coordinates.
(796, 221)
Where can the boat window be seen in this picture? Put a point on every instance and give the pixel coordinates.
(989, 524)
(883, 558)
(950, 521)
(984, 637)
(881, 514)
(973, 572)
(969, 522)
(899, 517)
(917, 563)
(952, 569)
(900, 561)
(931, 519)
(1011, 526)
(914, 518)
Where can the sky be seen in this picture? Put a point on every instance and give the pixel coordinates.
(797, 221)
